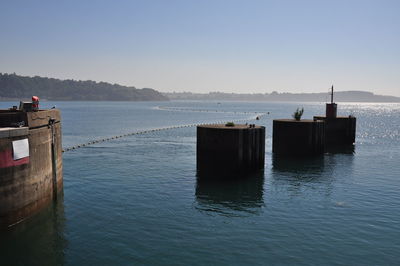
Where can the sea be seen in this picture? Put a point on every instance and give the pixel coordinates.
(136, 200)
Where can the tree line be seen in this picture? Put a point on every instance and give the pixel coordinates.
(13, 86)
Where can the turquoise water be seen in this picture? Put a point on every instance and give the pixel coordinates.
(136, 200)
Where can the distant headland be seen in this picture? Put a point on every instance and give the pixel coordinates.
(13, 87)
(340, 96)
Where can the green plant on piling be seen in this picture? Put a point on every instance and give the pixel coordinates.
(230, 124)
(297, 115)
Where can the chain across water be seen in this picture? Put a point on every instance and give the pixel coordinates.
(259, 115)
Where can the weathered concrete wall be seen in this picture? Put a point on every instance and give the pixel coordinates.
(229, 151)
(291, 137)
(27, 185)
(339, 130)
(28, 119)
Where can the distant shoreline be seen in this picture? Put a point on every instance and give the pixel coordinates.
(194, 100)
(13, 86)
(55, 100)
(254, 101)
(340, 96)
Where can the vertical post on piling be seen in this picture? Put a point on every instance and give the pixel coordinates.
(53, 159)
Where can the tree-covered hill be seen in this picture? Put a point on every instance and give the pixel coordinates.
(13, 86)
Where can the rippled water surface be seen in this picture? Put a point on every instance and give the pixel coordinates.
(136, 200)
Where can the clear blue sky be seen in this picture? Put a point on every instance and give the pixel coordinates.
(201, 46)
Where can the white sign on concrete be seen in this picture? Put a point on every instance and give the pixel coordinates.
(20, 149)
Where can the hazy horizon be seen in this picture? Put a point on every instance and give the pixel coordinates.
(207, 46)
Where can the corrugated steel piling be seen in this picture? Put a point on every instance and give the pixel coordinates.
(229, 151)
(339, 130)
(292, 137)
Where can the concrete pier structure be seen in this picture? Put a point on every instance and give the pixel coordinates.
(30, 163)
(292, 137)
(229, 151)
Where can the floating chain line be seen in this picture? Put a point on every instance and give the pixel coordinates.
(184, 109)
(254, 117)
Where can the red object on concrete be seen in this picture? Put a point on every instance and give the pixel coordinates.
(331, 110)
(35, 103)
(6, 159)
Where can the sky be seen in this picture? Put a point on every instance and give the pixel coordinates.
(207, 45)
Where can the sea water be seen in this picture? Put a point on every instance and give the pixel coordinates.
(136, 200)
